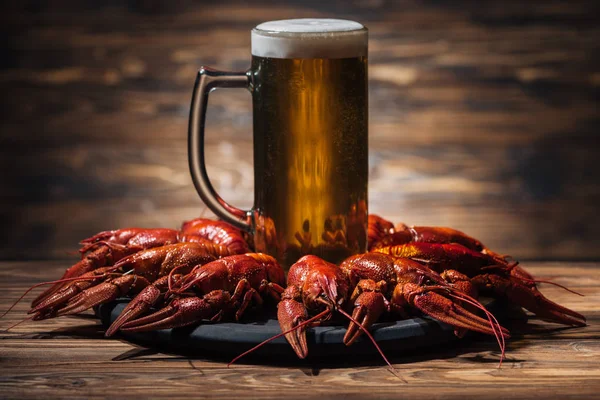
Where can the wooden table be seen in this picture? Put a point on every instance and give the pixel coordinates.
(69, 357)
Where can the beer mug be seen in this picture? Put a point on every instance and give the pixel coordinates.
(308, 81)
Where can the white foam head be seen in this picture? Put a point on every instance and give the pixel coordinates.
(310, 38)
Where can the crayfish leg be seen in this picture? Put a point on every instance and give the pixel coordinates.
(102, 293)
(529, 298)
(93, 260)
(181, 312)
(291, 314)
(368, 307)
(141, 304)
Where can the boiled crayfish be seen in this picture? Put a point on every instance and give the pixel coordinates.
(211, 291)
(366, 286)
(431, 270)
(207, 271)
(124, 262)
(495, 275)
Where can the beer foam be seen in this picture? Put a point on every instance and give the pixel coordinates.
(310, 38)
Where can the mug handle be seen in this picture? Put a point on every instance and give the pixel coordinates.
(209, 79)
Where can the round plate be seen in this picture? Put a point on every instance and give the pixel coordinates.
(228, 339)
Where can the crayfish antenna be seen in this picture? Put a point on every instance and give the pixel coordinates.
(77, 278)
(551, 283)
(19, 323)
(524, 276)
(261, 344)
(366, 331)
(499, 334)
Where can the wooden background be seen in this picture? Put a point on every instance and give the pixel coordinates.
(483, 116)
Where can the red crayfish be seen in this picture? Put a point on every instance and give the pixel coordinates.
(125, 261)
(367, 285)
(210, 291)
(493, 274)
(207, 271)
(431, 270)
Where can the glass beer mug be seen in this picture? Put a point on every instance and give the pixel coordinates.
(308, 81)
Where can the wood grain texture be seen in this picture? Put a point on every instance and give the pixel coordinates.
(483, 117)
(68, 357)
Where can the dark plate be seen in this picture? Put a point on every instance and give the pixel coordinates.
(228, 339)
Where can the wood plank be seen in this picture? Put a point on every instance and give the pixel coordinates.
(89, 189)
(69, 357)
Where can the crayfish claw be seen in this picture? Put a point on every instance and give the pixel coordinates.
(55, 300)
(368, 307)
(448, 311)
(46, 314)
(291, 314)
(67, 293)
(136, 307)
(103, 293)
(552, 312)
(79, 269)
(181, 312)
(162, 319)
(530, 298)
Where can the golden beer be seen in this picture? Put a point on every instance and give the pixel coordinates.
(308, 81)
(311, 154)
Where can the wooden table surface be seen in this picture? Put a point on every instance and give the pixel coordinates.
(69, 357)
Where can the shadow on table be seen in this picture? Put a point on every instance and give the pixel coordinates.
(475, 348)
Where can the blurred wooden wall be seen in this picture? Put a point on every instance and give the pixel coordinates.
(483, 116)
